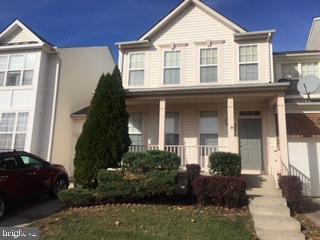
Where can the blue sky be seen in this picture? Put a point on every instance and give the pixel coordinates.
(104, 22)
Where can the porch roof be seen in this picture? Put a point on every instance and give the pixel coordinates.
(230, 89)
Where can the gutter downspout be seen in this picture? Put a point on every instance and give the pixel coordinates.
(54, 106)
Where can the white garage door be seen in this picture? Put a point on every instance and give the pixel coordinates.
(304, 157)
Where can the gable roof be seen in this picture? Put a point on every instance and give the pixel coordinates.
(18, 24)
(313, 41)
(181, 7)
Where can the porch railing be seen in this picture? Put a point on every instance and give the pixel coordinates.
(188, 154)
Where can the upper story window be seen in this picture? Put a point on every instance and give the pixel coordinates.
(13, 130)
(136, 129)
(17, 69)
(310, 68)
(208, 65)
(172, 128)
(136, 69)
(172, 67)
(290, 70)
(249, 63)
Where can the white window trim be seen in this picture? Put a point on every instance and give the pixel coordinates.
(136, 69)
(14, 132)
(208, 65)
(175, 67)
(143, 127)
(247, 63)
(20, 86)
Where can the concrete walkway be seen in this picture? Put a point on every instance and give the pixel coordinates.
(269, 210)
(31, 210)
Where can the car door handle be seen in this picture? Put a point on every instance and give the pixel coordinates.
(32, 173)
(3, 178)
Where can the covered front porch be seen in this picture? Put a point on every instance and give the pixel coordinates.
(197, 122)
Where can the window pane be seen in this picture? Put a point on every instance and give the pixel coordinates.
(22, 122)
(208, 139)
(209, 122)
(172, 139)
(136, 139)
(172, 122)
(2, 74)
(289, 70)
(3, 62)
(16, 62)
(5, 141)
(310, 69)
(30, 61)
(13, 78)
(172, 76)
(27, 78)
(135, 123)
(9, 163)
(30, 162)
(137, 61)
(172, 59)
(20, 141)
(136, 77)
(7, 122)
(249, 72)
(208, 74)
(248, 53)
(208, 56)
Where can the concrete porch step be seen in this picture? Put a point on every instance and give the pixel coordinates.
(276, 223)
(264, 192)
(279, 235)
(275, 210)
(268, 201)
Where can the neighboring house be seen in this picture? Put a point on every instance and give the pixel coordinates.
(40, 87)
(197, 82)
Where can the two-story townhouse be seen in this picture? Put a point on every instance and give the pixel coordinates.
(197, 82)
(40, 87)
(303, 115)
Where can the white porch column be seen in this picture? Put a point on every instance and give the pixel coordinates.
(162, 124)
(282, 130)
(233, 144)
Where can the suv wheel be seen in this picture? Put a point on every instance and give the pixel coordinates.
(60, 184)
(2, 206)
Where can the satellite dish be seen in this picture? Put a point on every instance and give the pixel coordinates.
(308, 85)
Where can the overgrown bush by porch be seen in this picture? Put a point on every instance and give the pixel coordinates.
(291, 187)
(225, 164)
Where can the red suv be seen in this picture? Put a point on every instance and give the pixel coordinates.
(23, 175)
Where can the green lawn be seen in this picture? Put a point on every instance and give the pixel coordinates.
(147, 222)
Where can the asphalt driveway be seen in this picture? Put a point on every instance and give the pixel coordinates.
(30, 210)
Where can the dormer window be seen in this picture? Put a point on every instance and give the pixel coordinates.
(171, 67)
(17, 69)
(136, 69)
(249, 63)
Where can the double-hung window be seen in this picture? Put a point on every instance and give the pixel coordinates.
(209, 128)
(310, 68)
(249, 63)
(13, 130)
(171, 67)
(136, 129)
(290, 71)
(17, 69)
(208, 65)
(172, 128)
(136, 69)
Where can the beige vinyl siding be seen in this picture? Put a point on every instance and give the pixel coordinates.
(313, 41)
(190, 31)
(80, 72)
(19, 35)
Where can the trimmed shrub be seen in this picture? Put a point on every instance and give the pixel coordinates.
(126, 186)
(193, 171)
(291, 187)
(77, 197)
(150, 161)
(227, 192)
(225, 164)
